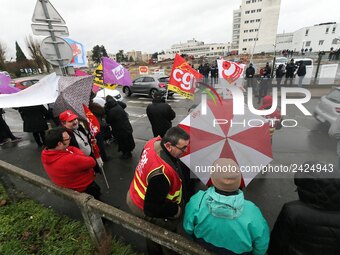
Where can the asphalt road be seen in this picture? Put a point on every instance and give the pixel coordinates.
(293, 145)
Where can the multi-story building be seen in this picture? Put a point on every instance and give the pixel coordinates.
(136, 55)
(196, 49)
(255, 26)
(320, 37)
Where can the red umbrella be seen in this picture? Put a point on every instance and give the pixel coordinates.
(221, 134)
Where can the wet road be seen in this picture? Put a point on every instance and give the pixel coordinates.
(308, 141)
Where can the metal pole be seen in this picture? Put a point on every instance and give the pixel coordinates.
(318, 66)
(47, 15)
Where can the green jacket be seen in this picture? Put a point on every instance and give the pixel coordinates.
(228, 222)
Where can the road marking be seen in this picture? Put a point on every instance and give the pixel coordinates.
(149, 99)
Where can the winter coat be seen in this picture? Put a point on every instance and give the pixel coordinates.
(311, 225)
(290, 69)
(160, 115)
(120, 124)
(34, 118)
(230, 222)
(301, 70)
(70, 168)
(279, 72)
(250, 71)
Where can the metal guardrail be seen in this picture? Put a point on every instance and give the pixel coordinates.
(93, 210)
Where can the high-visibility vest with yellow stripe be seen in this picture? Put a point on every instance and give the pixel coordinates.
(149, 162)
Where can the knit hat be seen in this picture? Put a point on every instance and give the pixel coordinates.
(227, 175)
(158, 95)
(67, 115)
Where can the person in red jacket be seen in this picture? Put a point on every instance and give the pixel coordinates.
(67, 166)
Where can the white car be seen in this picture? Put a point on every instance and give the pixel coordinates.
(101, 95)
(328, 109)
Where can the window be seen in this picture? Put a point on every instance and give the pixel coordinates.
(247, 2)
(247, 12)
(256, 29)
(335, 41)
(256, 39)
(138, 80)
(308, 43)
(252, 11)
(258, 20)
(253, 1)
(246, 22)
(258, 10)
(252, 21)
(333, 30)
(244, 49)
(307, 30)
(148, 79)
(327, 30)
(251, 39)
(321, 42)
(245, 31)
(244, 40)
(251, 30)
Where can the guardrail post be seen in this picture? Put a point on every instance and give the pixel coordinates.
(9, 186)
(94, 224)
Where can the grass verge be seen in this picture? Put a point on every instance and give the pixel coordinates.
(26, 227)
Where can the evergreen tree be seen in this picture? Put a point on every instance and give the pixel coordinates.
(120, 56)
(131, 59)
(103, 51)
(98, 52)
(19, 53)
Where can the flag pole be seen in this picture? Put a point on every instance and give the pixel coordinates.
(104, 175)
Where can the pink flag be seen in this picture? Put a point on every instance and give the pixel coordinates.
(115, 73)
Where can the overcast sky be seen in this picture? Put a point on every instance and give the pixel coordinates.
(151, 25)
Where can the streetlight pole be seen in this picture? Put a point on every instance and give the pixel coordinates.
(274, 60)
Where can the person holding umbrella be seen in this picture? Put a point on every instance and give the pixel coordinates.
(221, 220)
(80, 138)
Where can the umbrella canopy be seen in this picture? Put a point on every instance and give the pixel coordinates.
(5, 88)
(73, 93)
(221, 134)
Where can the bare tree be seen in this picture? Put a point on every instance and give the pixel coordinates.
(2, 56)
(34, 48)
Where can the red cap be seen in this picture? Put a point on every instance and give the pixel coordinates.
(67, 115)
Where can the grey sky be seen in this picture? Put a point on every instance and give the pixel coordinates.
(151, 25)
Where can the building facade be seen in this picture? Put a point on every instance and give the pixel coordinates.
(320, 37)
(136, 55)
(255, 26)
(196, 49)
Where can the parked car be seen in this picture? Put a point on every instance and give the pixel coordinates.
(101, 95)
(24, 84)
(328, 109)
(148, 85)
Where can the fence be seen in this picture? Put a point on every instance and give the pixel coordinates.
(93, 211)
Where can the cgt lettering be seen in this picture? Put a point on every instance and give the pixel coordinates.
(184, 78)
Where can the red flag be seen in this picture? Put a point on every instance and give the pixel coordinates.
(94, 127)
(182, 78)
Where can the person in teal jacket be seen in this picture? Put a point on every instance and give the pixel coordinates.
(221, 220)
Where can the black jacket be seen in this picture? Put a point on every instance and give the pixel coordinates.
(311, 225)
(34, 118)
(160, 115)
(120, 124)
(250, 71)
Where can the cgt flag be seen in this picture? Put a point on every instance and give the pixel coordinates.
(94, 128)
(182, 78)
(115, 73)
(230, 71)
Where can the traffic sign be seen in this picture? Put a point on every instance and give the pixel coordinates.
(39, 15)
(48, 50)
(43, 29)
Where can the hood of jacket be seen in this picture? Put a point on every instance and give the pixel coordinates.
(50, 156)
(320, 190)
(221, 206)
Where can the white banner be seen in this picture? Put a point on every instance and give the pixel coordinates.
(43, 92)
(328, 74)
